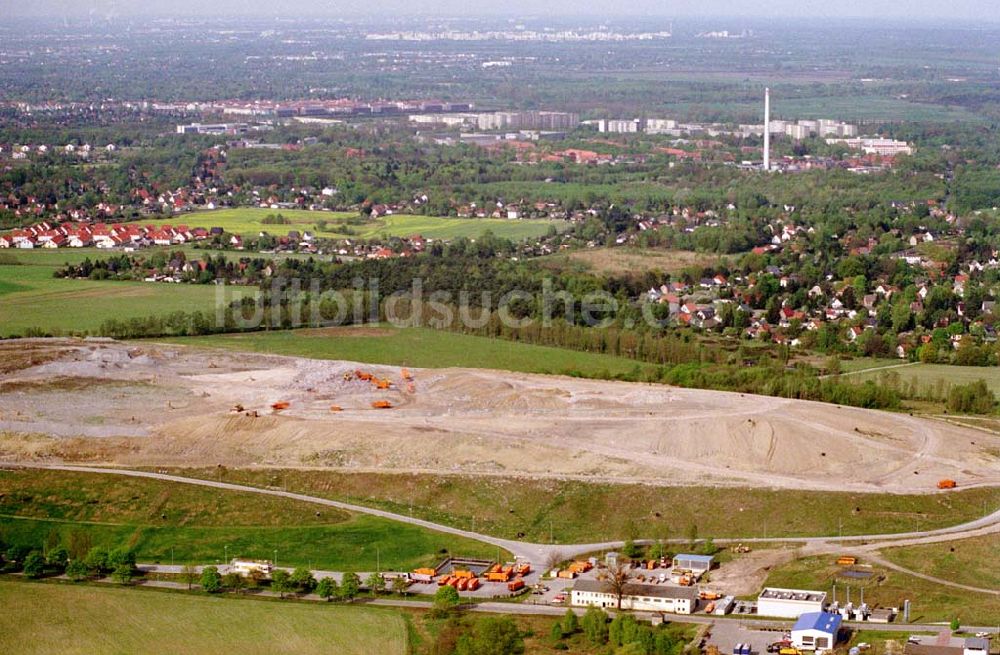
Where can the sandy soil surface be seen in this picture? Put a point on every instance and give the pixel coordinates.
(746, 573)
(116, 403)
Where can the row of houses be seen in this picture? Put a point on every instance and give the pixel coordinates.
(20, 151)
(100, 235)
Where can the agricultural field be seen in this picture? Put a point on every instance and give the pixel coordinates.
(50, 618)
(580, 512)
(931, 602)
(33, 299)
(421, 347)
(968, 561)
(167, 522)
(619, 261)
(249, 220)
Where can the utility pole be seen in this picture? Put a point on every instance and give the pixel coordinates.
(767, 129)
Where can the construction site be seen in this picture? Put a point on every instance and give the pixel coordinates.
(125, 404)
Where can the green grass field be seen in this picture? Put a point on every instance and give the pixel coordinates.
(421, 347)
(969, 561)
(582, 512)
(61, 257)
(167, 522)
(930, 377)
(51, 618)
(930, 602)
(33, 298)
(248, 220)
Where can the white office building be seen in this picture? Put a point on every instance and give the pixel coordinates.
(637, 596)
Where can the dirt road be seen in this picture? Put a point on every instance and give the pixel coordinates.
(539, 553)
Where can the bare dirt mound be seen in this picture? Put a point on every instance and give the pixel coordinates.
(159, 405)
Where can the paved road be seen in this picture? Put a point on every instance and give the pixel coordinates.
(539, 553)
(547, 610)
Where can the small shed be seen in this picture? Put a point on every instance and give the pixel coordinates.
(816, 631)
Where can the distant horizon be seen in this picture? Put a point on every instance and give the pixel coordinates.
(915, 11)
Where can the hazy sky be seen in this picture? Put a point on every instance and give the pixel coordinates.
(980, 10)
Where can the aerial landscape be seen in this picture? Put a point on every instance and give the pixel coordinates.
(433, 329)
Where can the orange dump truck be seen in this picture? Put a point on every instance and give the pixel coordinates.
(473, 584)
(424, 574)
(444, 581)
(567, 574)
(580, 566)
(381, 404)
(515, 585)
(463, 574)
(947, 484)
(523, 569)
(336, 408)
(847, 560)
(462, 584)
(498, 576)
(281, 405)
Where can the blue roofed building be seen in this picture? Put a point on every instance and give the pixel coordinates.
(816, 631)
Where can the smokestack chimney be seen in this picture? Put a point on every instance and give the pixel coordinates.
(767, 129)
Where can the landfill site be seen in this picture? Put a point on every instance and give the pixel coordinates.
(125, 404)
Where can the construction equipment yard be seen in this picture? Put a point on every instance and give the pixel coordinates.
(145, 404)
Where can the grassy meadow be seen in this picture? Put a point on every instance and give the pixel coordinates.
(931, 377)
(617, 261)
(931, 602)
(249, 220)
(582, 512)
(968, 561)
(166, 522)
(420, 347)
(61, 618)
(30, 297)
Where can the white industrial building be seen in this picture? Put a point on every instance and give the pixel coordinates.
(876, 146)
(636, 596)
(789, 603)
(618, 126)
(816, 631)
